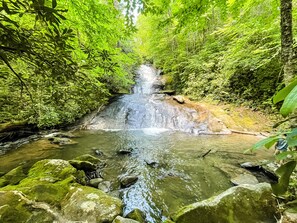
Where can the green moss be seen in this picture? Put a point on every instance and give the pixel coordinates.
(13, 177)
(88, 158)
(137, 215)
(83, 165)
(51, 170)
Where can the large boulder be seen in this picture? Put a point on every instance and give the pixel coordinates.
(13, 177)
(90, 205)
(16, 208)
(244, 204)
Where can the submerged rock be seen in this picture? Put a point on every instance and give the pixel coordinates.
(90, 205)
(62, 141)
(244, 204)
(120, 219)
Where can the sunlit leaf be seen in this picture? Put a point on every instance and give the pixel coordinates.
(267, 142)
(282, 94)
(290, 103)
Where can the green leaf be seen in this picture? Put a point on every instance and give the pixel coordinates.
(54, 4)
(292, 138)
(267, 142)
(290, 103)
(284, 155)
(284, 172)
(282, 94)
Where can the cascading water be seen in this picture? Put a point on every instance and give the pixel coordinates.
(146, 109)
(168, 164)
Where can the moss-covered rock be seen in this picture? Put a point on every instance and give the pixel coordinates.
(83, 165)
(13, 177)
(137, 215)
(244, 204)
(120, 219)
(88, 158)
(16, 208)
(90, 205)
(47, 181)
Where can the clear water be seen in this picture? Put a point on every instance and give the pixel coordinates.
(180, 176)
(157, 132)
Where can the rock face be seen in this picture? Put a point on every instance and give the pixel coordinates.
(241, 204)
(90, 205)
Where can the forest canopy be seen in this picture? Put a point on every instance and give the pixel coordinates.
(61, 59)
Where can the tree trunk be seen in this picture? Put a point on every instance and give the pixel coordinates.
(287, 40)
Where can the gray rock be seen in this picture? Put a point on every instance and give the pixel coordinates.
(95, 182)
(244, 179)
(104, 186)
(120, 219)
(180, 99)
(83, 165)
(90, 205)
(127, 181)
(244, 204)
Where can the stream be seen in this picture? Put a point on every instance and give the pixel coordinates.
(167, 145)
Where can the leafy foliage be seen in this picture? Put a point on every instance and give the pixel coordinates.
(58, 64)
(225, 50)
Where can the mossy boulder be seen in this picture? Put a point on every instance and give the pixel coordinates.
(13, 177)
(90, 205)
(86, 162)
(47, 181)
(16, 208)
(120, 219)
(244, 204)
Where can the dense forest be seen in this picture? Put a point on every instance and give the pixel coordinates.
(224, 50)
(62, 59)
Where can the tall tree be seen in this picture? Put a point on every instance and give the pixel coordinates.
(287, 39)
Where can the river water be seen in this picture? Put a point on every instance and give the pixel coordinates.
(167, 148)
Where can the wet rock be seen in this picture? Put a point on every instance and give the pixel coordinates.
(104, 186)
(244, 204)
(136, 215)
(125, 151)
(97, 152)
(95, 182)
(60, 135)
(83, 165)
(13, 177)
(87, 163)
(180, 99)
(120, 219)
(127, 181)
(151, 163)
(244, 179)
(88, 158)
(168, 221)
(90, 205)
(62, 141)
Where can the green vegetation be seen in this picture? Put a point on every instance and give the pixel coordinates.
(224, 50)
(60, 59)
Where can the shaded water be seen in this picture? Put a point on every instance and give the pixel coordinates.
(179, 177)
